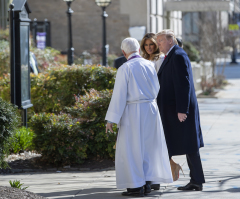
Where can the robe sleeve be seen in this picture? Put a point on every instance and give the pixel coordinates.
(119, 97)
(181, 83)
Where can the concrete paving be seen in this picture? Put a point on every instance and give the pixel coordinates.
(220, 119)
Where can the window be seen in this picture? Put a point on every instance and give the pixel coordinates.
(160, 7)
(153, 7)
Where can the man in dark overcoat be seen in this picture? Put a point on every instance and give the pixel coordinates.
(178, 107)
(119, 61)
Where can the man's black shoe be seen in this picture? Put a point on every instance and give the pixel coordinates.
(155, 186)
(134, 192)
(191, 186)
(147, 187)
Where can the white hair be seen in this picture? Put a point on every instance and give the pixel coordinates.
(169, 35)
(130, 45)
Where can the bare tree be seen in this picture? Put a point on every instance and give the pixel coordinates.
(212, 41)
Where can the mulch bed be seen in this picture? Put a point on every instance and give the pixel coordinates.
(35, 164)
(13, 193)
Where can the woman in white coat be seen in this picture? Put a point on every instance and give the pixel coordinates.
(151, 52)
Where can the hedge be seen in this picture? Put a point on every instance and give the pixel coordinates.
(55, 89)
(71, 137)
(9, 120)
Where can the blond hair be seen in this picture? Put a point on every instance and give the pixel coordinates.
(156, 53)
(169, 35)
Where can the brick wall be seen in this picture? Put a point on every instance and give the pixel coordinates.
(86, 21)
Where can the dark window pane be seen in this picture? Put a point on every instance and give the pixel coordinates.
(24, 31)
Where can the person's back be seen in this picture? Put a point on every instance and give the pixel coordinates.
(143, 83)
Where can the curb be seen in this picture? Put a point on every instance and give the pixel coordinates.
(58, 170)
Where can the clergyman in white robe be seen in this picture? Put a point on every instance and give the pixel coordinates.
(141, 151)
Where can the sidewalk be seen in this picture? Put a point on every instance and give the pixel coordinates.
(220, 119)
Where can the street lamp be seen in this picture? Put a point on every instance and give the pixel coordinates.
(104, 4)
(70, 45)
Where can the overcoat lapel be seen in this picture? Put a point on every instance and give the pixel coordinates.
(166, 60)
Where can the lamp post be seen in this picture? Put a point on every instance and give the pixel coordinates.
(104, 4)
(70, 45)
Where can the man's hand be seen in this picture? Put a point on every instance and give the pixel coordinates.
(109, 127)
(182, 117)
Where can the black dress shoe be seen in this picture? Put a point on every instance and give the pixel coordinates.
(134, 192)
(191, 186)
(155, 186)
(147, 187)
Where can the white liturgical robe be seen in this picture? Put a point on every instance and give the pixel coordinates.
(141, 151)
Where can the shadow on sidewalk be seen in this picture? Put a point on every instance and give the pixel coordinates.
(94, 193)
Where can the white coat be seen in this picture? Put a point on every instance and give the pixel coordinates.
(158, 62)
(141, 151)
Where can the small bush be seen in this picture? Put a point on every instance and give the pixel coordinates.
(55, 89)
(91, 111)
(9, 120)
(59, 139)
(4, 34)
(22, 140)
(17, 184)
(4, 57)
(79, 133)
(46, 58)
(191, 51)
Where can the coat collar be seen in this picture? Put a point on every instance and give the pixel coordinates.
(167, 59)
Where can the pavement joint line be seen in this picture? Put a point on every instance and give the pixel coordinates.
(103, 173)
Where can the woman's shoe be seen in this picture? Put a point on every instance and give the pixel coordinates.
(175, 170)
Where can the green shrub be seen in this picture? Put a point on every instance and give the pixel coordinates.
(111, 58)
(55, 89)
(46, 58)
(91, 110)
(9, 120)
(4, 57)
(5, 87)
(22, 140)
(70, 138)
(191, 51)
(59, 139)
(4, 34)
(49, 57)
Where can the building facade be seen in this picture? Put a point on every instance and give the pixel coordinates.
(87, 21)
(150, 15)
(196, 14)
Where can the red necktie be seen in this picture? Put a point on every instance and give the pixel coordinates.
(165, 56)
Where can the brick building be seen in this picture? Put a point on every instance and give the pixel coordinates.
(87, 21)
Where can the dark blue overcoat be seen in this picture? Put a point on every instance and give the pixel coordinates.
(177, 95)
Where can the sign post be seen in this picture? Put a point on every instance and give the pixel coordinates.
(19, 51)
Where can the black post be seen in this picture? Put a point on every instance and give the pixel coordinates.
(24, 118)
(12, 53)
(104, 47)
(70, 45)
